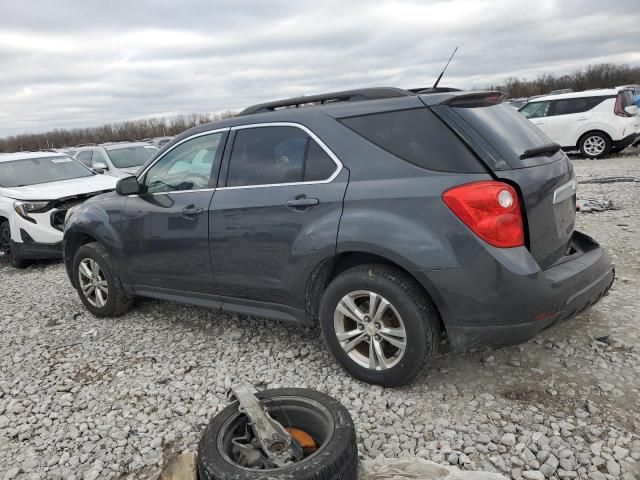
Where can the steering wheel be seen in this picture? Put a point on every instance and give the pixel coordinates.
(197, 180)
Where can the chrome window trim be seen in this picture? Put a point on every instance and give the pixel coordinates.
(324, 147)
(196, 135)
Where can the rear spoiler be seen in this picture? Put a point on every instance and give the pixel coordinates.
(463, 99)
(474, 99)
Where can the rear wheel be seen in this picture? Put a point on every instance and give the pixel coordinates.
(379, 324)
(98, 283)
(5, 247)
(595, 145)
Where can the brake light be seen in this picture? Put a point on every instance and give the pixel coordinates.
(618, 109)
(490, 209)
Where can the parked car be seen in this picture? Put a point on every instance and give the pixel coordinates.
(36, 189)
(161, 141)
(595, 122)
(389, 217)
(118, 159)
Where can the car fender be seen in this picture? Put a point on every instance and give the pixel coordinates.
(98, 220)
(603, 127)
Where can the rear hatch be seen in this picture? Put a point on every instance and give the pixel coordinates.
(517, 152)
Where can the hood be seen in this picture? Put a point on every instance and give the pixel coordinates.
(61, 189)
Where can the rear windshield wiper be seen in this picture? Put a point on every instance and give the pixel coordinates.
(547, 149)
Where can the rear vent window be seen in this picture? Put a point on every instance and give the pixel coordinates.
(418, 137)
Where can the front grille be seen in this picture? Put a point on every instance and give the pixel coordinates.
(57, 219)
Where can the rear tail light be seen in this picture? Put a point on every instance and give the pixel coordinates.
(490, 209)
(618, 109)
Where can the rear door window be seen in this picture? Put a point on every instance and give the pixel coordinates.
(277, 155)
(418, 137)
(568, 106)
(535, 109)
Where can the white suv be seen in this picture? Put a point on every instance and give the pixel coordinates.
(595, 122)
(36, 190)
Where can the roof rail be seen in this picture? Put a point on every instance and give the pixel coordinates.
(344, 96)
(86, 145)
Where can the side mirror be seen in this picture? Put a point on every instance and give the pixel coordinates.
(632, 110)
(99, 167)
(128, 186)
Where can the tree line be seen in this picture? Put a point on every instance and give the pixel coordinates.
(110, 132)
(594, 76)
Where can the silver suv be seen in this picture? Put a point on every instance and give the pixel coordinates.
(118, 159)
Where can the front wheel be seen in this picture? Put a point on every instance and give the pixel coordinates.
(594, 145)
(97, 282)
(5, 247)
(379, 324)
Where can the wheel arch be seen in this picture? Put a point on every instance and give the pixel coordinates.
(73, 240)
(333, 266)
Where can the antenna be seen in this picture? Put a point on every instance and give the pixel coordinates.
(445, 68)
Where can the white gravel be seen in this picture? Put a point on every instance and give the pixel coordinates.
(82, 398)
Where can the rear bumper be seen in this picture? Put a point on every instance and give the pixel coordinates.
(626, 141)
(503, 298)
(36, 251)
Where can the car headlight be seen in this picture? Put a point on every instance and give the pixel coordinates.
(25, 208)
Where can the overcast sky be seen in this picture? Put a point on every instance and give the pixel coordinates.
(70, 63)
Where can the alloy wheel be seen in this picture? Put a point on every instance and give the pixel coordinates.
(93, 283)
(594, 145)
(370, 330)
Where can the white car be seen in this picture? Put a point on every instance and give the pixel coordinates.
(36, 190)
(595, 122)
(118, 159)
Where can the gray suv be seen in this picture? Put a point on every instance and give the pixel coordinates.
(392, 218)
(118, 159)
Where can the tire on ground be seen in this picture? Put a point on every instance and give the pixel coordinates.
(419, 315)
(118, 301)
(5, 236)
(336, 460)
(594, 135)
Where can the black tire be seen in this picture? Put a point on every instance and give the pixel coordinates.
(335, 459)
(5, 247)
(416, 310)
(118, 301)
(599, 137)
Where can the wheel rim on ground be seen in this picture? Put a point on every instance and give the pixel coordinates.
(370, 330)
(93, 283)
(292, 412)
(594, 145)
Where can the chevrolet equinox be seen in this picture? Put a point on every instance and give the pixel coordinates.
(390, 217)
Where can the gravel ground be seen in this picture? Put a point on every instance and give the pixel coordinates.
(82, 398)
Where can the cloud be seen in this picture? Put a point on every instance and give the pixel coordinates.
(71, 64)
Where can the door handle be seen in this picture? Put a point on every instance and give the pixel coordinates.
(301, 202)
(190, 212)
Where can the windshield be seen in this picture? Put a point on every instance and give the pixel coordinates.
(32, 171)
(127, 157)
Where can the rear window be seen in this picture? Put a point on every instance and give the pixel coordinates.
(418, 137)
(627, 98)
(507, 131)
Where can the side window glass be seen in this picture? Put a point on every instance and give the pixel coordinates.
(319, 165)
(188, 166)
(535, 109)
(276, 155)
(85, 158)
